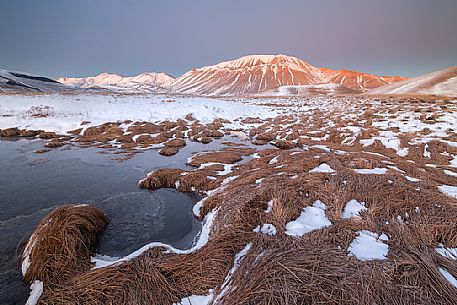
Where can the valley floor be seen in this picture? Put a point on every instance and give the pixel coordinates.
(314, 200)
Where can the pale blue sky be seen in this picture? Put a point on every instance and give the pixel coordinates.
(87, 37)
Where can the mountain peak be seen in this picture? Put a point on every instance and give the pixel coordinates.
(258, 60)
(254, 74)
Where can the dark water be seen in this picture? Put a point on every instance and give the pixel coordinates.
(31, 185)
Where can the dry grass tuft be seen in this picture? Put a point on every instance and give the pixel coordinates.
(225, 157)
(169, 151)
(62, 243)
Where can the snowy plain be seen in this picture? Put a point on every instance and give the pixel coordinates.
(62, 113)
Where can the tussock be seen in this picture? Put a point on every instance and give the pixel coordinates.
(166, 178)
(169, 151)
(225, 157)
(62, 243)
(195, 182)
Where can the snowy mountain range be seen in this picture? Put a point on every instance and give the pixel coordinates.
(248, 75)
(143, 83)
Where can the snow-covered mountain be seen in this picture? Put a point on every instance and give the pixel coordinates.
(249, 75)
(12, 81)
(256, 74)
(143, 83)
(443, 82)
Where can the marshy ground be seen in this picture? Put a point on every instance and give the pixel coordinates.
(342, 200)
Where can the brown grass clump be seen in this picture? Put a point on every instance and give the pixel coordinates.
(283, 144)
(192, 182)
(244, 151)
(169, 151)
(175, 143)
(166, 177)
(55, 143)
(41, 150)
(47, 135)
(225, 157)
(29, 133)
(233, 144)
(62, 243)
(144, 127)
(9, 132)
(259, 142)
(204, 140)
(266, 136)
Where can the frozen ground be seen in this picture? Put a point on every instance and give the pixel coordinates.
(358, 186)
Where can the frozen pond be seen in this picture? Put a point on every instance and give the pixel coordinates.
(31, 185)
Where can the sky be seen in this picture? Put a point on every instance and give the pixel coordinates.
(86, 37)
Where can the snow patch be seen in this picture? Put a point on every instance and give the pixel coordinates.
(353, 209)
(369, 246)
(322, 168)
(449, 277)
(236, 263)
(312, 218)
(450, 253)
(197, 299)
(36, 290)
(449, 190)
(267, 229)
(375, 171)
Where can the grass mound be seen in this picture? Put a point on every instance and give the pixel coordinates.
(62, 243)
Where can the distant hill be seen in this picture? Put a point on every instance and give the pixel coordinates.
(11, 81)
(443, 82)
(144, 83)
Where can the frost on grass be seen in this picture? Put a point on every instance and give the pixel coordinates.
(369, 246)
(323, 168)
(449, 190)
(312, 218)
(353, 209)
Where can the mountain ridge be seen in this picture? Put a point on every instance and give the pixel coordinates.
(249, 75)
(254, 74)
(441, 82)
